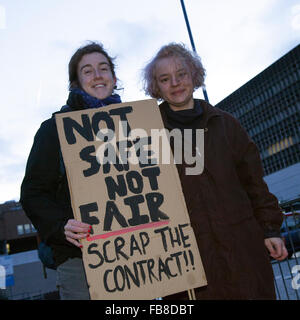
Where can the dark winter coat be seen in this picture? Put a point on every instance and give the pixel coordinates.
(45, 194)
(231, 210)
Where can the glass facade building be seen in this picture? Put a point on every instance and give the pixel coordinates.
(268, 107)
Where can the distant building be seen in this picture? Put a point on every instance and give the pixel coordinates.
(18, 241)
(268, 107)
(17, 234)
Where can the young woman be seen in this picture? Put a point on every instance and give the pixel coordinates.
(233, 214)
(44, 192)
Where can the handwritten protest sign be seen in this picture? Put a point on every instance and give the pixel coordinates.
(142, 245)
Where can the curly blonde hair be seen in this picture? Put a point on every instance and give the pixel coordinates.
(178, 50)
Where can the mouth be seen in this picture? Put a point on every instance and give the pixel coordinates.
(177, 92)
(99, 86)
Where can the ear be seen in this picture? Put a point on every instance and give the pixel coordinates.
(157, 92)
(115, 82)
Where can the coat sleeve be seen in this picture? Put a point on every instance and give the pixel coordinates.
(250, 171)
(40, 184)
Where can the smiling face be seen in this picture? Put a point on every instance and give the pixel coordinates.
(174, 81)
(95, 75)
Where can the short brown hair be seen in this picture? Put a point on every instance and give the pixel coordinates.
(91, 47)
(172, 50)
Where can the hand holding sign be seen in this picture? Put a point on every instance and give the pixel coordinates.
(76, 230)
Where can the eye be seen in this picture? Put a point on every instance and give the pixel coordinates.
(164, 80)
(182, 74)
(87, 71)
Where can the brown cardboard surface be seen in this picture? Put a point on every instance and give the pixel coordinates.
(142, 245)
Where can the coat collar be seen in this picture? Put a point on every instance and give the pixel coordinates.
(208, 112)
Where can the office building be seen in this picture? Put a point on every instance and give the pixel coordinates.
(268, 107)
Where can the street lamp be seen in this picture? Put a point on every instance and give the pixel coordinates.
(192, 41)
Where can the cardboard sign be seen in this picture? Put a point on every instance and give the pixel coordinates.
(142, 245)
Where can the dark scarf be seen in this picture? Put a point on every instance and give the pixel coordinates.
(79, 99)
(184, 119)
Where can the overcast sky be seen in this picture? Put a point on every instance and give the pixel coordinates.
(236, 39)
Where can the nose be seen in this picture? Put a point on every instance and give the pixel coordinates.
(97, 74)
(174, 81)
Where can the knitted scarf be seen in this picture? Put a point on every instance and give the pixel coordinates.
(80, 99)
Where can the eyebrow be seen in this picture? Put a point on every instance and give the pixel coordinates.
(166, 74)
(89, 65)
(163, 75)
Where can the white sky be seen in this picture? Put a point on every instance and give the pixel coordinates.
(236, 39)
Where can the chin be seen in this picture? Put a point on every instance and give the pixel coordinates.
(179, 104)
(100, 97)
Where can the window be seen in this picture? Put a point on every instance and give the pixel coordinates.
(27, 228)
(20, 229)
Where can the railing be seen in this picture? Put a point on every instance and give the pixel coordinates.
(37, 295)
(287, 272)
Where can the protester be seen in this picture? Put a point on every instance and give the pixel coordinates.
(44, 192)
(235, 218)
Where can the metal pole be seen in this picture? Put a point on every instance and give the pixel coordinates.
(192, 41)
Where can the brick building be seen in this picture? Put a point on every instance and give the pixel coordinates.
(17, 234)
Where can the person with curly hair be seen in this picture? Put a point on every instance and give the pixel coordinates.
(236, 220)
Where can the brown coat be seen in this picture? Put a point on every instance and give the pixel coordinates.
(231, 211)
